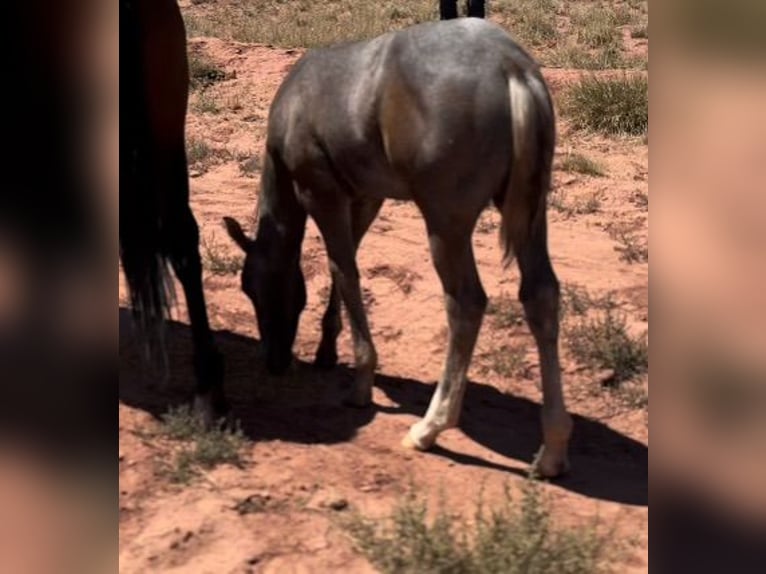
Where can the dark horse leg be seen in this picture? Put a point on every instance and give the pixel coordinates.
(447, 9)
(539, 295)
(334, 214)
(182, 243)
(465, 302)
(166, 88)
(363, 213)
(475, 8)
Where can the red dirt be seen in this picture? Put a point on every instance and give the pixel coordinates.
(307, 449)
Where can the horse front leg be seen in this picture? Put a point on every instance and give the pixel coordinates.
(333, 216)
(363, 213)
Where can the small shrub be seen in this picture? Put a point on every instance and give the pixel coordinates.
(410, 544)
(509, 361)
(641, 32)
(578, 163)
(580, 206)
(640, 199)
(201, 447)
(604, 343)
(182, 424)
(631, 248)
(596, 27)
(506, 312)
(569, 56)
(180, 469)
(607, 57)
(201, 156)
(534, 22)
(217, 260)
(249, 165)
(611, 57)
(257, 503)
(611, 106)
(632, 394)
(197, 151)
(556, 201)
(640, 5)
(514, 537)
(624, 15)
(538, 28)
(577, 300)
(592, 204)
(218, 446)
(307, 24)
(203, 73)
(205, 103)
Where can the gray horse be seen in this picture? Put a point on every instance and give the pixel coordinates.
(451, 115)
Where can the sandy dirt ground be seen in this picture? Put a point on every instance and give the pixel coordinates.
(307, 450)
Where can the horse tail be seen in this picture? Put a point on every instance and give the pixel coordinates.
(534, 136)
(142, 251)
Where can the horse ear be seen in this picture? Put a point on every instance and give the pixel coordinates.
(235, 232)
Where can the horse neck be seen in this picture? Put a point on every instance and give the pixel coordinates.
(281, 219)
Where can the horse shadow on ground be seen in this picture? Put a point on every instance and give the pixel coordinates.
(305, 406)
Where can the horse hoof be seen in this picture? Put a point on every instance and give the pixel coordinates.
(411, 443)
(358, 401)
(550, 466)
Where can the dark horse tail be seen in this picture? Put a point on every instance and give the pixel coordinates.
(144, 259)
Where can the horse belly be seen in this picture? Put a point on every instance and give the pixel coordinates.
(382, 184)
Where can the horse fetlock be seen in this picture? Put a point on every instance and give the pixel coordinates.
(552, 459)
(557, 428)
(366, 357)
(359, 397)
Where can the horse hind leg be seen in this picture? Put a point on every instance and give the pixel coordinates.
(363, 213)
(466, 302)
(539, 294)
(182, 244)
(475, 8)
